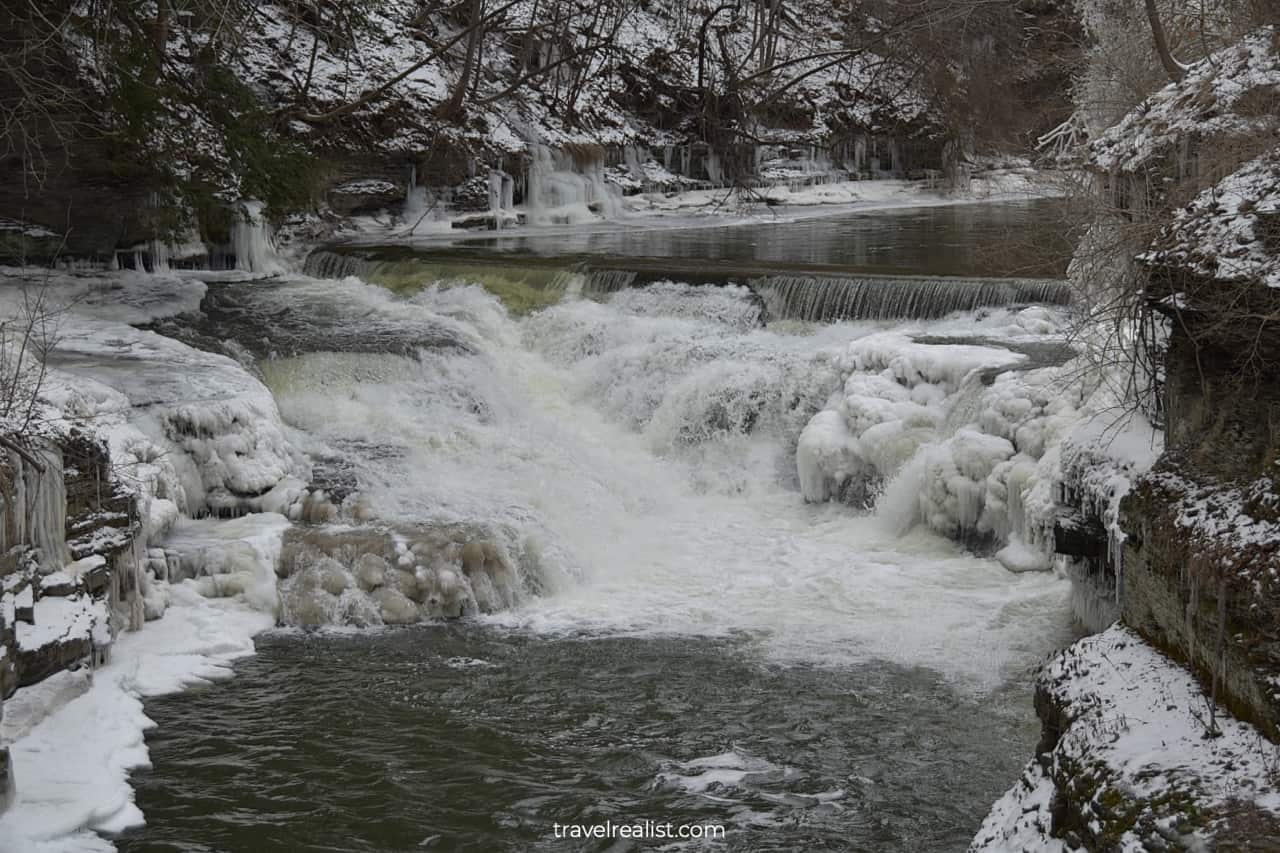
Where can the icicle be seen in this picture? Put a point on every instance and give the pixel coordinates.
(251, 241)
(559, 190)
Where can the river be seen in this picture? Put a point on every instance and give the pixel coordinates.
(667, 631)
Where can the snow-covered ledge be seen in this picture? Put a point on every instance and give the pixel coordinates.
(1134, 757)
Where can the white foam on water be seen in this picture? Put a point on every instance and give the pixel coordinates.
(644, 466)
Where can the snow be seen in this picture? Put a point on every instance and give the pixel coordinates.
(79, 568)
(366, 186)
(1219, 233)
(71, 785)
(1138, 721)
(60, 619)
(1221, 96)
(26, 229)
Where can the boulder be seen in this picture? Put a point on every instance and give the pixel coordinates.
(396, 608)
(371, 571)
(367, 195)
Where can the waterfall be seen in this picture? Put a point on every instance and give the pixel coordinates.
(563, 190)
(324, 263)
(828, 299)
(251, 241)
(599, 282)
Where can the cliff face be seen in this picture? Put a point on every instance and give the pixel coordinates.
(1201, 564)
(1160, 733)
(1202, 559)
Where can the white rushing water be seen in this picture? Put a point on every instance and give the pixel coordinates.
(635, 465)
(636, 460)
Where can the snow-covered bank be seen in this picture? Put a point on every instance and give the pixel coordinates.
(96, 604)
(704, 207)
(1136, 757)
(76, 736)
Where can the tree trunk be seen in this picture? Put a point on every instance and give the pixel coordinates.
(159, 40)
(1171, 66)
(453, 107)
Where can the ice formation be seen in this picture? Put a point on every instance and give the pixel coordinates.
(967, 441)
(562, 189)
(251, 240)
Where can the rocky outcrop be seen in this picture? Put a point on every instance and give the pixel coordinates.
(1134, 757)
(369, 576)
(62, 573)
(1214, 605)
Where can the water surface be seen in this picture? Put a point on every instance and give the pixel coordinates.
(1017, 238)
(460, 737)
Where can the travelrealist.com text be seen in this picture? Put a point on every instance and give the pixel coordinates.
(638, 829)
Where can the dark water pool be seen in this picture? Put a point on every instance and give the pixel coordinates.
(1016, 238)
(460, 737)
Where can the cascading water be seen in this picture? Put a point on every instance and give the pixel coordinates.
(608, 281)
(323, 263)
(616, 457)
(251, 240)
(826, 299)
(604, 485)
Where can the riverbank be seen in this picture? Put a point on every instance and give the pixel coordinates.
(75, 738)
(779, 203)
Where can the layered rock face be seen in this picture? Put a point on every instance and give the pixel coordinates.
(68, 577)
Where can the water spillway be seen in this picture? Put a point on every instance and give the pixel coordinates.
(819, 295)
(830, 298)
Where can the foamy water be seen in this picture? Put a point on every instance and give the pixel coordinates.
(640, 460)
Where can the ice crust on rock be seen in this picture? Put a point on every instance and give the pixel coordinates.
(969, 442)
